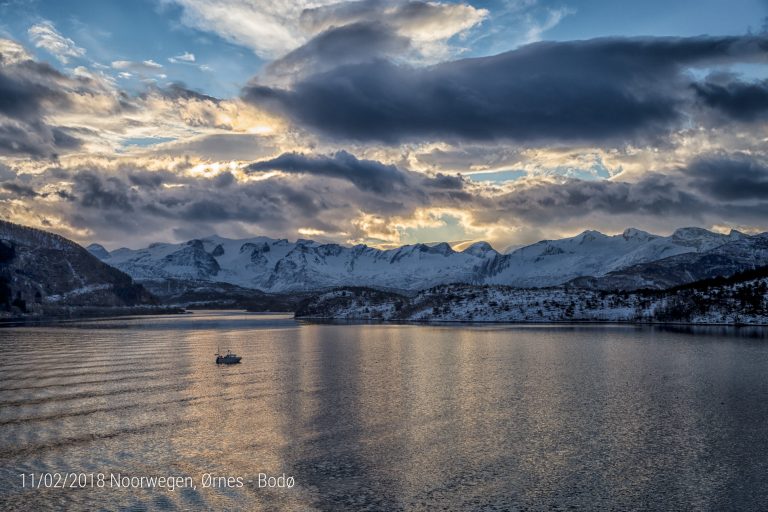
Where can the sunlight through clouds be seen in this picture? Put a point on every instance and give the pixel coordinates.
(377, 122)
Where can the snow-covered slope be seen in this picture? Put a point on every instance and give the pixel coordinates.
(282, 266)
(741, 301)
(591, 253)
(279, 265)
(738, 254)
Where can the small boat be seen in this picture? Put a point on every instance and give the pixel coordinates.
(228, 358)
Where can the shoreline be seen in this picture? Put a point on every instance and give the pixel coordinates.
(90, 314)
(107, 313)
(522, 322)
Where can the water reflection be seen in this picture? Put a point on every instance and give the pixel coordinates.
(387, 417)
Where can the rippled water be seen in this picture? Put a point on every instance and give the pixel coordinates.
(386, 417)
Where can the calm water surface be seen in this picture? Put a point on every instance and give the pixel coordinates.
(386, 417)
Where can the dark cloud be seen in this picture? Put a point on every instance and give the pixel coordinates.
(350, 44)
(25, 85)
(19, 190)
(63, 194)
(445, 181)
(730, 176)
(27, 89)
(542, 202)
(149, 179)
(739, 100)
(95, 191)
(387, 182)
(368, 175)
(597, 91)
(63, 140)
(207, 210)
(224, 179)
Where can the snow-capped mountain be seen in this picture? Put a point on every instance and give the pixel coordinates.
(741, 253)
(591, 253)
(281, 266)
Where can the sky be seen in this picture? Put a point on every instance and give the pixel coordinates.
(382, 122)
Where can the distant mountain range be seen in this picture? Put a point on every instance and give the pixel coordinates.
(42, 272)
(634, 259)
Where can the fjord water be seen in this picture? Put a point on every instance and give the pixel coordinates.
(386, 417)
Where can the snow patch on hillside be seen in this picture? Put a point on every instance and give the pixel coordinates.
(744, 303)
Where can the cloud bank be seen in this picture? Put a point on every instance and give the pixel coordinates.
(352, 134)
(601, 91)
(349, 199)
(27, 90)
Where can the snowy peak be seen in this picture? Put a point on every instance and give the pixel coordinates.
(441, 248)
(280, 265)
(589, 236)
(692, 233)
(591, 253)
(193, 256)
(480, 249)
(637, 234)
(98, 250)
(699, 238)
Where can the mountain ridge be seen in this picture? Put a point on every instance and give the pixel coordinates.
(280, 266)
(42, 271)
